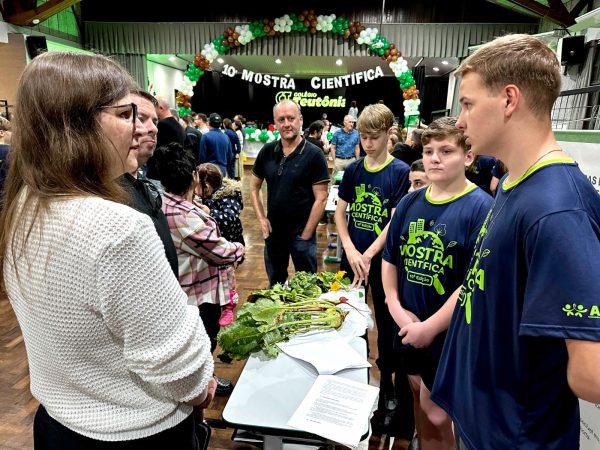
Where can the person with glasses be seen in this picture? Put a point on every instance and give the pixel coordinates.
(297, 175)
(143, 194)
(117, 357)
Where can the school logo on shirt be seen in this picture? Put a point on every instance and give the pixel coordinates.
(575, 310)
(369, 210)
(475, 275)
(424, 255)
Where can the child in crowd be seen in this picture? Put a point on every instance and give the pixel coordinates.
(428, 247)
(371, 187)
(223, 197)
(417, 176)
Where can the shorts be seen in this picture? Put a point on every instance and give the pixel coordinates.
(418, 361)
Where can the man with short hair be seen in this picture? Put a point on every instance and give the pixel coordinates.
(215, 147)
(524, 340)
(169, 128)
(202, 123)
(193, 137)
(143, 196)
(345, 148)
(296, 174)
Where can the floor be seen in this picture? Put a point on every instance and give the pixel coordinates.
(17, 407)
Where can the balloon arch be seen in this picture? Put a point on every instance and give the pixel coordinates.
(307, 21)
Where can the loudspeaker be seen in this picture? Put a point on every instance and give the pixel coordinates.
(36, 45)
(573, 50)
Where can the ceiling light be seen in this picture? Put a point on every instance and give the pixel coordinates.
(445, 63)
(339, 62)
(277, 61)
(35, 21)
(172, 58)
(436, 69)
(220, 60)
(287, 75)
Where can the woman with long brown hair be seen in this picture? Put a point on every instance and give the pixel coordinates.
(117, 359)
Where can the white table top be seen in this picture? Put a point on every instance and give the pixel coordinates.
(270, 390)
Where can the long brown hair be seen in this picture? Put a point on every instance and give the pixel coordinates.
(58, 147)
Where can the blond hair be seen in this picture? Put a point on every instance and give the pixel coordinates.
(444, 128)
(374, 119)
(522, 60)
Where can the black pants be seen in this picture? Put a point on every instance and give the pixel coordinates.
(48, 434)
(210, 314)
(383, 318)
(387, 360)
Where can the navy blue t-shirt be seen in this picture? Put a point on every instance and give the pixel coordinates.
(533, 282)
(371, 195)
(482, 172)
(431, 242)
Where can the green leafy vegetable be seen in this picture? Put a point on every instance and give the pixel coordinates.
(261, 325)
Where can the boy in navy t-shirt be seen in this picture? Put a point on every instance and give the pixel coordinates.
(427, 251)
(524, 341)
(370, 189)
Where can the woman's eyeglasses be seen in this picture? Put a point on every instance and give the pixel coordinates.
(130, 113)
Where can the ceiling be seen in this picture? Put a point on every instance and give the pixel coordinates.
(307, 66)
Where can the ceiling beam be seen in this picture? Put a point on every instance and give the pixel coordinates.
(579, 7)
(557, 12)
(41, 13)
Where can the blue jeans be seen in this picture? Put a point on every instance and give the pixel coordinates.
(278, 250)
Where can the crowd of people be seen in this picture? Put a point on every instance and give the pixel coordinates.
(119, 243)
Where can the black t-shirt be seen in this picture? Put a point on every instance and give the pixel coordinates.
(317, 142)
(290, 182)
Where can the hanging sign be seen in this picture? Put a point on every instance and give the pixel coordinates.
(346, 80)
(311, 99)
(276, 81)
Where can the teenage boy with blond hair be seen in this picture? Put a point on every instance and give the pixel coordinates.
(371, 187)
(524, 340)
(427, 252)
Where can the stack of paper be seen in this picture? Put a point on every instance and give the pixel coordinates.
(337, 409)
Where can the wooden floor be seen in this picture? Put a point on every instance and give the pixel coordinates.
(17, 406)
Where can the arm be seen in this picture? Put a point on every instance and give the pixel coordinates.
(583, 369)
(378, 244)
(200, 237)
(317, 210)
(357, 151)
(389, 277)
(332, 150)
(355, 258)
(167, 348)
(421, 334)
(494, 185)
(259, 210)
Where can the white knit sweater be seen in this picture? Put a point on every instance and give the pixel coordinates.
(113, 347)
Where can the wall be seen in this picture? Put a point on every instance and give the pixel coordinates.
(163, 81)
(13, 59)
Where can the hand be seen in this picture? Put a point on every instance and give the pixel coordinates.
(417, 334)
(265, 226)
(211, 387)
(360, 269)
(237, 156)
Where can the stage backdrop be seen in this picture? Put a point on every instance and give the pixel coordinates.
(584, 147)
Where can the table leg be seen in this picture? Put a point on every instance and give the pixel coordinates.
(272, 443)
